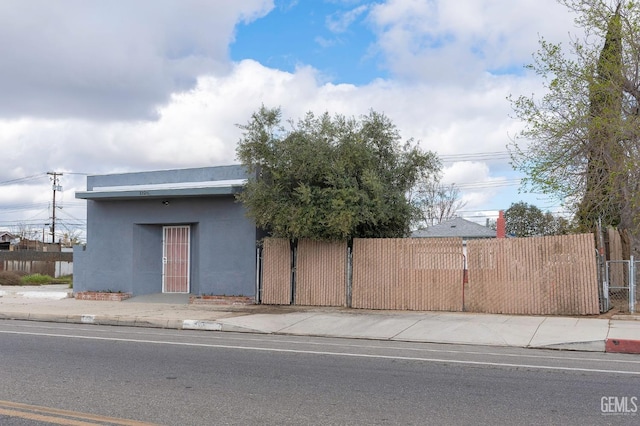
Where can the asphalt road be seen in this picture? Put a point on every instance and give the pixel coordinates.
(75, 374)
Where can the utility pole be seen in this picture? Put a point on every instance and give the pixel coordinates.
(56, 187)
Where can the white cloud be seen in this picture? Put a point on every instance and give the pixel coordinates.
(198, 127)
(444, 41)
(105, 60)
(475, 181)
(340, 22)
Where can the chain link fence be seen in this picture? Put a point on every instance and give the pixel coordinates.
(621, 289)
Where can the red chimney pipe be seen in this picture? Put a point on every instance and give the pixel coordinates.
(501, 225)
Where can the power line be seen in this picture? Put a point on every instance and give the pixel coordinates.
(24, 206)
(66, 213)
(489, 184)
(23, 179)
(31, 222)
(477, 156)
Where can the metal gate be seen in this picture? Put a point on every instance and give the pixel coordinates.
(620, 285)
(175, 259)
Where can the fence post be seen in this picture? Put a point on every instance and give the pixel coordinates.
(632, 286)
(294, 264)
(605, 288)
(258, 298)
(349, 275)
(465, 278)
(603, 278)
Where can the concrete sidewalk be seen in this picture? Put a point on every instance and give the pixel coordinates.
(54, 304)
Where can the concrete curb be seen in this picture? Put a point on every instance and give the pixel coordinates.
(125, 321)
(218, 326)
(629, 345)
(626, 317)
(590, 346)
(622, 346)
(130, 321)
(201, 325)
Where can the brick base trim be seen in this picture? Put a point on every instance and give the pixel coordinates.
(102, 296)
(221, 300)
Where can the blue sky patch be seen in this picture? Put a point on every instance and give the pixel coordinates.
(327, 36)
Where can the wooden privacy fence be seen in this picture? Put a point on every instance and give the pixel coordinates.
(276, 272)
(321, 273)
(539, 276)
(536, 276)
(53, 263)
(408, 273)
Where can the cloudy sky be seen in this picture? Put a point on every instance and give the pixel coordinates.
(103, 86)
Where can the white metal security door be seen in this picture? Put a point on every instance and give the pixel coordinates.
(175, 259)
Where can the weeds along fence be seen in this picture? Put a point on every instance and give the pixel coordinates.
(536, 276)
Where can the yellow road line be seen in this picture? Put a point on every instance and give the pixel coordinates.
(42, 418)
(62, 417)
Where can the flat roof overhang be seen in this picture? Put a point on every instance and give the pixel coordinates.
(164, 190)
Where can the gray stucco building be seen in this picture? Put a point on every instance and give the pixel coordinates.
(171, 231)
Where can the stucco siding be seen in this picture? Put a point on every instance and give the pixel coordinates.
(124, 239)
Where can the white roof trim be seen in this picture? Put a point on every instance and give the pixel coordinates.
(175, 185)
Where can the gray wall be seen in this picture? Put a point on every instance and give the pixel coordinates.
(124, 243)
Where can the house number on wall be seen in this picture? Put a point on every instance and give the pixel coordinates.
(144, 192)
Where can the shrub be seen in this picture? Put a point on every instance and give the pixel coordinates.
(9, 278)
(64, 279)
(36, 279)
(39, 279)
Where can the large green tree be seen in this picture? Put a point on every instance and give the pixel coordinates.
(330, 177)
(604, 154)
(582, 136)
(526, 220)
